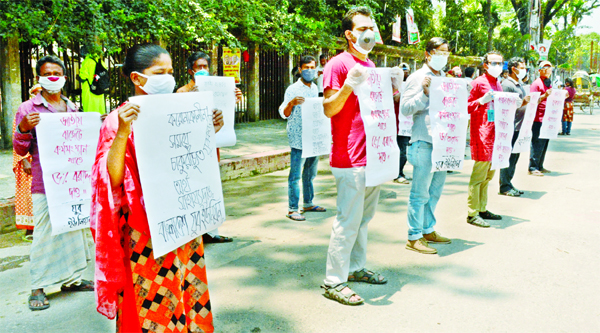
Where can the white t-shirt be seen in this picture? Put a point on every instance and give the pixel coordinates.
(320, 78)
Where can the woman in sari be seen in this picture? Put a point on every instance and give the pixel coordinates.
(567, 118)
(146, 294)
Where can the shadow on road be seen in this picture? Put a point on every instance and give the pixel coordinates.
(506, 222)
(457, 245)
(533, 195)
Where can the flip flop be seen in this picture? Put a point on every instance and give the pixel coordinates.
(41, 297)
(206, 238)
(314, 209)
(295, 216)
(85, 285)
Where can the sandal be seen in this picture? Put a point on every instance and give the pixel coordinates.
(85, 285)
(27, 238)
(314, 209)
(367, 276)
(208, 239)
(39, 297)
(295, 216)
(335, 293)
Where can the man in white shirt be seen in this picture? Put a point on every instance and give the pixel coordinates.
(322, 63)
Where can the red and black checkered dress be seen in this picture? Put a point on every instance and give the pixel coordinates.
(146, 294)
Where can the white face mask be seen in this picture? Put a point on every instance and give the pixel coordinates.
(437, 62)
(364, 42)
(521, 74)
(158, 84)
(52, 84)
(495, 71)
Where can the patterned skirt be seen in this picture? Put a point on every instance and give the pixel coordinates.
(23, 204)
(170, 293)
(568, 112)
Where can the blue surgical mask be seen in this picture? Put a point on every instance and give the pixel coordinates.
(202, 72)
(308, 75)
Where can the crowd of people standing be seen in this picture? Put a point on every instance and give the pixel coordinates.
(170, 293)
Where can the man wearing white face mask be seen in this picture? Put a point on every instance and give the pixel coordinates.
(356, 203)
(59, 259)
(483, 132)
(427, 186)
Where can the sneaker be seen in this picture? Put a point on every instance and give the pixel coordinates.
(545, 170)
(520, 192)
(487, 215)
(536, 173)
(401, 180)
(421, 246)
(434, 237)
(477, 221)
(511, 193)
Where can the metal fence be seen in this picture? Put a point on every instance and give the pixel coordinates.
(273, 68)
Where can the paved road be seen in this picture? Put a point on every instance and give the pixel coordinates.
(534, 271)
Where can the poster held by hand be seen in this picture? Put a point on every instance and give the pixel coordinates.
(223, 89)
(316, 128)
(505, 105)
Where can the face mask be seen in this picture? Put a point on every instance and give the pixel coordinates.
(521, 74)
(202, 72)
(158, 84)
(364, 42)
(437, 62)
(52, 84)
(495, 70)
(308, 75)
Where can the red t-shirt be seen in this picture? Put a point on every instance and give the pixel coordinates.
(349, 149)
(538, 85)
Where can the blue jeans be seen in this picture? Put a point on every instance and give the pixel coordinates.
(566, 127)
(537, 153)
(403, 145)
(308, 168)
(425, 191)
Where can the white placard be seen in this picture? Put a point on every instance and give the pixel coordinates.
(67, 145)
(316, 128)
(176, 155)
(376, 100)
(505, 105)
(525, 134)
(405, 123)
(223, 89)
(449, 119)
(551, 123)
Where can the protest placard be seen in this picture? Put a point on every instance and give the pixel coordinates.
(524, 139)
(179, 172)
(377, 112)
(505, 105)
(223, 89)
(551, 123)
(67, 145)
(449, 118)
(316, 128)
(405, 123)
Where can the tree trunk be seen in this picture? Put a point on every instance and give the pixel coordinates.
(10, 68)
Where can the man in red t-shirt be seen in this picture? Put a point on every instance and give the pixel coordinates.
(537, 154)
(356, 203)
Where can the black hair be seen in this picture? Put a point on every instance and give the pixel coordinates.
(434, 43)
(569, 81)
(306, 60)
(487, 55)
(191, 60)
(469, 71)
(322, 56)
(140, 57)
(52, 59)
(514, 62)
(348, 20)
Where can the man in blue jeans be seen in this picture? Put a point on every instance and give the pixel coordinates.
(427, 186)
(291, 110)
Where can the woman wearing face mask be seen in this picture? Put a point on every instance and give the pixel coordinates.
(480, 106)
(427, 186)
(168, 294)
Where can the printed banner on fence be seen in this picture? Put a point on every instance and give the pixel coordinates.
(223, 89)
(551, 123)
(67, 145)
(449, 119)
(411, 26)
(316, 128)
(231, 63)
(505, 105)
(524, 139)
(377, 112)
(179, 172)
(396, 30)
(404, 123)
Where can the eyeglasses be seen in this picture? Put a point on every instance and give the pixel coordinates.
(496, 63)
(442, 53)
